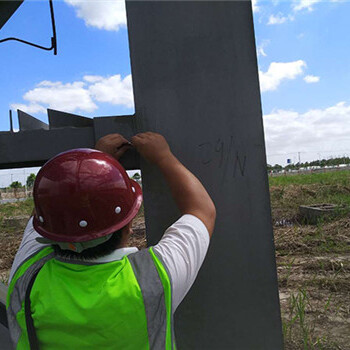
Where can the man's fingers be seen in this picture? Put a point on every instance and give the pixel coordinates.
(118, 139)
(141, 135)
(126, 143)
(121, 150)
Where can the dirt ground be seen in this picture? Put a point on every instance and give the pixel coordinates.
(313, 265)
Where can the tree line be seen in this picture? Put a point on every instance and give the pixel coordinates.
(315, 163)
(29, 182)
(31, 179)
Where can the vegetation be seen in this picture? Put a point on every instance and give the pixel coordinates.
(329, 178)
(17, 208)
(136, 177)
(16, 184)
(313, 261)
(30, 180)
(316, 163)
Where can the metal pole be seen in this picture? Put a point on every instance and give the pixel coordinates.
(11, 122)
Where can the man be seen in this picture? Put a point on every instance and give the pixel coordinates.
(81, 287)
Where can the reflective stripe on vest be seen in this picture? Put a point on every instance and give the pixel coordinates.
(123, 304)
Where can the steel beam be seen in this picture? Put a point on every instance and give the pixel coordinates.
(7, 9)
(36, 142)
(195, 81)
(35, 147)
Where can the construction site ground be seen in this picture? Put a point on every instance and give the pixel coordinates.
(313, 261)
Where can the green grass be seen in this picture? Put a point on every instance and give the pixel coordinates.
(289, 192)
(299, 326)
(17, 208)
(329, 178)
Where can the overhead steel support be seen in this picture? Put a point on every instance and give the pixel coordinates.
(7, 9)
(36, 142)
(195, 81)
(53, 38)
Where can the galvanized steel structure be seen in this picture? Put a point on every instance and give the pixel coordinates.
(195, 81)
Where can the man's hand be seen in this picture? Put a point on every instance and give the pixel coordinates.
(189, 194)
(152, 146)
(113, 144)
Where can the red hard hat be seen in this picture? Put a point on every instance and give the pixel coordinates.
(83, 194)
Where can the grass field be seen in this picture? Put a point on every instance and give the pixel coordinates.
(15, 209)
(313, 261)
(289, 192)
(329, 178)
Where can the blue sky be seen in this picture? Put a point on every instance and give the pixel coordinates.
(303, 53)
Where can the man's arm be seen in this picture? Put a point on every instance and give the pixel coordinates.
(189, 194)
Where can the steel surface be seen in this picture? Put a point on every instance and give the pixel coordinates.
(195, 81)
(3, 293)
(5, 341)
(36, 142)
(58, 119)
(27, 122)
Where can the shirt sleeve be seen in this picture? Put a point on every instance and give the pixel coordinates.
(27, 247)
(183, 248)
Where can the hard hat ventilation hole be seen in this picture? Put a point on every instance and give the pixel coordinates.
(41, 219)
(82, 223)
(118, 210)
(133, 189)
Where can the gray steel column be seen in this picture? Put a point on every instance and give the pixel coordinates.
(196, 82)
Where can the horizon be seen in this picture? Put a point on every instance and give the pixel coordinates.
(302, 53)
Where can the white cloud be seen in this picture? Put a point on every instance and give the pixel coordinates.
(279, 19)
(102, 14)
(67, 97)
(92, 78)
(311, 79)
(304, 4)
(32, 108)
(255, 6)
(260, 50)
(114, 90)
(317, 130)
(80, 96)
(278, 72)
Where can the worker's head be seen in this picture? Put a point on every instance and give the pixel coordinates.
(84, 198)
